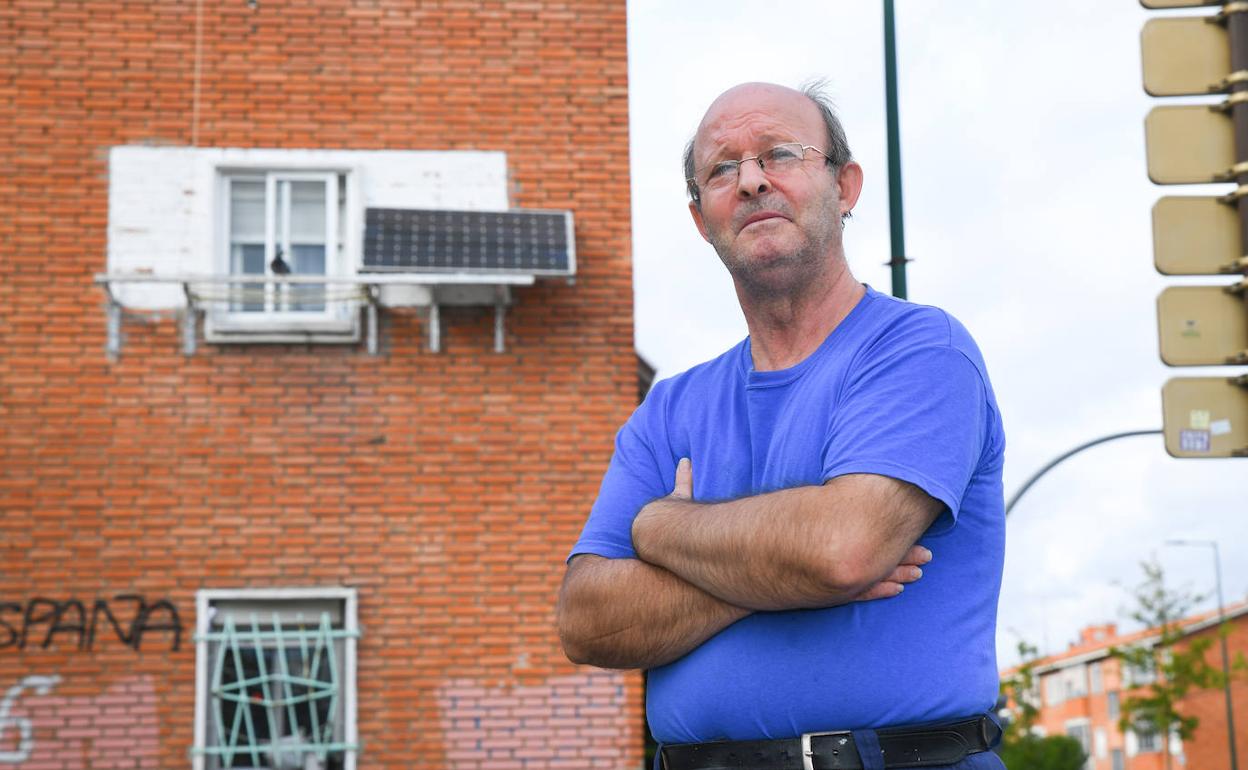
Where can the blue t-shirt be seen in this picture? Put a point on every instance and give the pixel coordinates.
(898, 390)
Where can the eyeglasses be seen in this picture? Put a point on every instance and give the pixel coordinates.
(723, 174)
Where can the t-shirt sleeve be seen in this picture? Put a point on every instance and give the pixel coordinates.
(633, 478)
(919, 415)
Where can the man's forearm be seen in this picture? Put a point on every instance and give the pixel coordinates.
(624, 613)
(813, 546)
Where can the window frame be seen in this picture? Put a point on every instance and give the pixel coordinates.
(1153, 735)
(1080, 729)
(339, 321)
(204, 601)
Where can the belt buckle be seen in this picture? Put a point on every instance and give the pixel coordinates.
(808, 753)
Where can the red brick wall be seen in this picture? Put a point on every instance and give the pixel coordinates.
(445, 487)
(1210, 749)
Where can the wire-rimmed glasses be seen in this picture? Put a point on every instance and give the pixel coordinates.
(723, 174)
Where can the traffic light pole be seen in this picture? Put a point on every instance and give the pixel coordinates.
(1237, 31)
(897, 235)
(1066, 455)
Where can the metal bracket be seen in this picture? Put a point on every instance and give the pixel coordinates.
(1235, 78)
(112, 347)
(502, 297)
(373, 292)
(1233, 197)
(1237, 6)
(1239, 97)
(435, 326)
(1231, 173)
(189, 318)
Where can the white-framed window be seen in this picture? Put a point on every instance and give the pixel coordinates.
(1076, 681)
(1053, 692)
(1081, 730)
(1147, 739)
(1096, 678)
(1139, 675)
(271, 223)
(1112, 704)
(275, 673)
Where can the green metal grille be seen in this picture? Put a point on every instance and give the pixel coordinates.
(274, 694)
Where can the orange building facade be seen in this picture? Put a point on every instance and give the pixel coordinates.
(247, 523)
(1079, 693)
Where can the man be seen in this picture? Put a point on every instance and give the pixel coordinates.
(764, 511)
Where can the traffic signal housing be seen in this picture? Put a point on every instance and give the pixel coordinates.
(1201, 235)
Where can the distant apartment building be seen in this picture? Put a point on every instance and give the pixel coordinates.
(1080, 693)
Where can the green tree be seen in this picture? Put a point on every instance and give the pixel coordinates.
(1055, 752)
(1020, 748)
(1167, 669)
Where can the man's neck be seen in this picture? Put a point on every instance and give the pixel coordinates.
(784, 330)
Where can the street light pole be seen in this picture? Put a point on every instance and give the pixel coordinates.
(1057, 460)
(1226, 658)
(896, 221)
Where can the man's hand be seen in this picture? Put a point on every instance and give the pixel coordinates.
(851, 539)
(908, 571)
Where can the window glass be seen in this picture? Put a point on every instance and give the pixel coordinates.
(307, 212)
(308, 260)
(1080, 733)
(247, 211)
(247, 238)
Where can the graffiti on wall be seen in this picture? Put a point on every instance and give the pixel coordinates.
(118, 727)
(41, 685)
(43, 622)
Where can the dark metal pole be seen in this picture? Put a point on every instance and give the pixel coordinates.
(897, 236)
(1226, 661)
(1237, 32)
(1052, 464)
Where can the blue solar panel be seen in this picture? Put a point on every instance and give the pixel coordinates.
(429, 240)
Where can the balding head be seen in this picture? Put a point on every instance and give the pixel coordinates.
(809, 100)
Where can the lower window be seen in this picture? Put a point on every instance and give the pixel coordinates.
(275, 679)
(1147, 739)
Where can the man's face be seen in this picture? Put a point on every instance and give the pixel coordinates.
(772, 231)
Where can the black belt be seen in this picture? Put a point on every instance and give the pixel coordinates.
(942, 744)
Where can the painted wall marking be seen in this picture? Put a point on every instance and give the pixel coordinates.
(70, 618)
(42, 685)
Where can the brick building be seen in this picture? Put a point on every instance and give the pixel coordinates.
(1080, 691)
(310, 518)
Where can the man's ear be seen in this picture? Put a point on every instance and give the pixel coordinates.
(849, 180)
(696, 213)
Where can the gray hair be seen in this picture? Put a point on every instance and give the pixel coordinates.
(837, 150)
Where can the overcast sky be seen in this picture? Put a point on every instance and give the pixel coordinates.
(1027, 217)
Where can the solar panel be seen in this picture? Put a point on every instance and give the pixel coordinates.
(425, 240)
